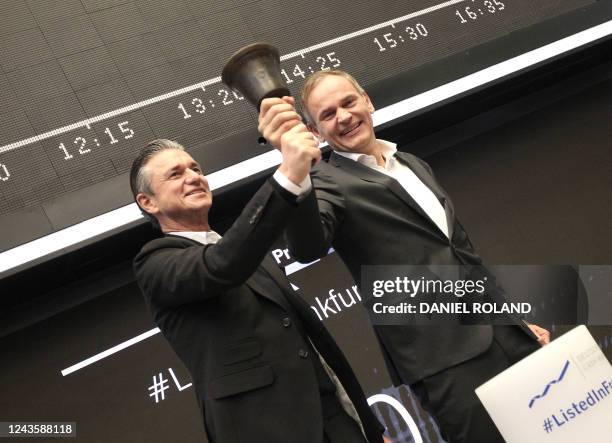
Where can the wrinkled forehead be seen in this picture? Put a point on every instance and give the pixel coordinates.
(169, 159)
(332, 84)
(329, 92)
(335, 85)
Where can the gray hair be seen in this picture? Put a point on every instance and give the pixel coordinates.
(140, 182)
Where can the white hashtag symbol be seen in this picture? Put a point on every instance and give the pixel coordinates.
(159, 387)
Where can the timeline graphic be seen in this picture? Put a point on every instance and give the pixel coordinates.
(52, 179)
(207, 110)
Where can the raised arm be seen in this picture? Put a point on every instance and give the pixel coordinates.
(173, 272)
(312, 226)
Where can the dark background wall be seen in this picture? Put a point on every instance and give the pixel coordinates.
(537, 190)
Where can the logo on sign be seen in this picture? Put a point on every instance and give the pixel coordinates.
(550, 384)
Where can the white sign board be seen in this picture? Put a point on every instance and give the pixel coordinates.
(561, 393)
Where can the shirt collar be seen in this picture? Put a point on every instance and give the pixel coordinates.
(388, 149)
(204, 237)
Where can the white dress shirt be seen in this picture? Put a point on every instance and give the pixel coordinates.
(204, 237)
(297, 190)
(412, 184)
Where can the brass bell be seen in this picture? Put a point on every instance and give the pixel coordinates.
(254, 71)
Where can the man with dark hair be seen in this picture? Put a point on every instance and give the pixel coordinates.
(264, 368)
(378, 206)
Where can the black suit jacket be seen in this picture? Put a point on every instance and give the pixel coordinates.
(370, 219)
(240, 330)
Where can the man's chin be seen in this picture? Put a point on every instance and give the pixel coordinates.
(200, 198)
(358, 144)
(355, 147)
(200, 205)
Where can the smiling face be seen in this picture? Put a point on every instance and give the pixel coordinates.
(180, 196)
(342, 115)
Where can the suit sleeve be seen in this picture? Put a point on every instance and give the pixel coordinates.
(312, 227)
(172, 276)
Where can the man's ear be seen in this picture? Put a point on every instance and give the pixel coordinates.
(147, 203)
(368, 102)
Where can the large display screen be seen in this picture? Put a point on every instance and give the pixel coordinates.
(84, 84)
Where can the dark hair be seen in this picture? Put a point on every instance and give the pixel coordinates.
(140, 182)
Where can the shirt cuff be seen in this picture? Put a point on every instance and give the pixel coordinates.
(298, 190)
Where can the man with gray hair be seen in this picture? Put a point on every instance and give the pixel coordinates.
(376, 205)
(264, 368)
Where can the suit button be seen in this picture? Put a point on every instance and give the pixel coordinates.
(303, 353)
(286, 322)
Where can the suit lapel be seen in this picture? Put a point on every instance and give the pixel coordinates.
(370, 175)
(291, 302)
(393, 185)
(429, 181)
(273, 294)
(311, 324)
